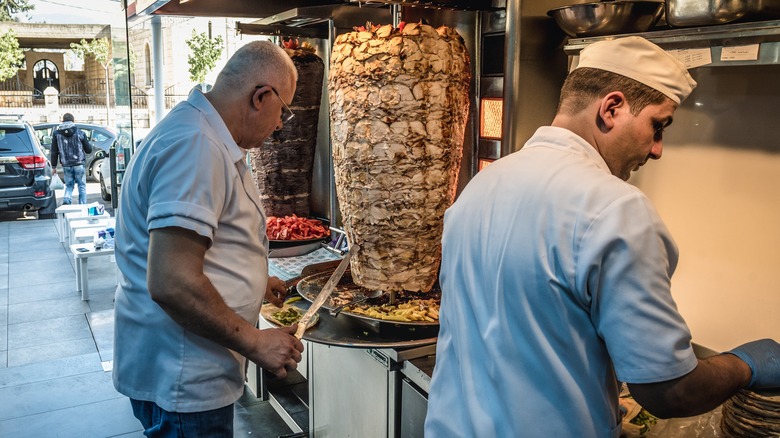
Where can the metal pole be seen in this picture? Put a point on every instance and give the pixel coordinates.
(159, 69)
(511, 77)
(395, 12)
(114, 177)
(108, 98)
(333, 199)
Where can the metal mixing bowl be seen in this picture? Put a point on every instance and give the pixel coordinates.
(608, 17)
(681, 13)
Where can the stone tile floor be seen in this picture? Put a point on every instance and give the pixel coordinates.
(56, 350)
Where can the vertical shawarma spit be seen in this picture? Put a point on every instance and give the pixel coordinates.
(283, 166)
(399, 99)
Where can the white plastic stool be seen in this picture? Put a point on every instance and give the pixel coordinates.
(61, 211)
(81, 253)
(84, 235)
(77, 216)
(75, 226)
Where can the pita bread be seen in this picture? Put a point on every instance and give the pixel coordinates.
(752, 414)
(272, 314)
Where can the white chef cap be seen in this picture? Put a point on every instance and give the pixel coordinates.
(642, 61)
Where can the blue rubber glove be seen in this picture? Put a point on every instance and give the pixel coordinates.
(763, 358)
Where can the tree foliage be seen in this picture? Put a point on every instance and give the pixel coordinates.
(11, 56)
(10, 7)
(100, 49)
(204, 54)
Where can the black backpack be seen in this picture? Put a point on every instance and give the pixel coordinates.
(72, 148)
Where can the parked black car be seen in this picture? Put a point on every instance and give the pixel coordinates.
(99, 136)
(25, 171)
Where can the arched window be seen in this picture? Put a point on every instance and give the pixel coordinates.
(46, 74)
(148, 64)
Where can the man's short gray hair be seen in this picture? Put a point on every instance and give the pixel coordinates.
(257, 63)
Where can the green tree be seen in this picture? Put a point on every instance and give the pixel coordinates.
(204, 53)
(10, 7)
(100, 49)
(11, 55)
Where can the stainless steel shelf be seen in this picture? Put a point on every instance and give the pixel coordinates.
(463, 5)
(764, 33)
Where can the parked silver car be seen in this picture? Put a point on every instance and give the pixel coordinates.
(100, 137)
(123, 154)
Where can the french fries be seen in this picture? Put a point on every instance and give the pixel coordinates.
(414, 310)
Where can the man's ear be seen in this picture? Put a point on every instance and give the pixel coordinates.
(258, 95)
(609, 108)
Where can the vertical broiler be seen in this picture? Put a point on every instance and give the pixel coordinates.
(401, 106)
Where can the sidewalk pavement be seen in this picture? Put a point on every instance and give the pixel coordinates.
(56, 350)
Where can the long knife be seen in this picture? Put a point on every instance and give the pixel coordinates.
(326, 291)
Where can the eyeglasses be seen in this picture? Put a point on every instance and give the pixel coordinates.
(287, 113)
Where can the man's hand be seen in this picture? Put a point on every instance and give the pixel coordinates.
(275, 292)
(763, 358)
(277, 350)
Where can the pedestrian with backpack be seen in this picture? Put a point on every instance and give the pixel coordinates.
(70, 147)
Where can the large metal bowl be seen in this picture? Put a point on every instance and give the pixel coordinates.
(681, 13)
(608, 17)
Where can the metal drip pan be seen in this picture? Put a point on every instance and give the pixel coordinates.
(360, 331)
(311, 286)
(343, 331)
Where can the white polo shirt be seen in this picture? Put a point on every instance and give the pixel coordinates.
(188, 173)
(555, 281)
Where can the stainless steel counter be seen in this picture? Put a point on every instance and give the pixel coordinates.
(420, 371)
(352, 372)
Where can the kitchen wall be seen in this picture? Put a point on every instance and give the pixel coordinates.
(717, 187)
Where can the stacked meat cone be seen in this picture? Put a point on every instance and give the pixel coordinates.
(398, 106)
(283, 166)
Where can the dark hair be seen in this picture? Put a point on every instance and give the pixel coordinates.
(68, 117)
(586, 84)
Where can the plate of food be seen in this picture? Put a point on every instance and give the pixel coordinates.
(295, 230)
(286, 315)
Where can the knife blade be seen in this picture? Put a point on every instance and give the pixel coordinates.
(325, 292)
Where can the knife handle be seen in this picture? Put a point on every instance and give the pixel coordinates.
(301, 329)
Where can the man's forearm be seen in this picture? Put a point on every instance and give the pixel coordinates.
(196, 306)
(54, 153)
(712, 382)
(176, 282)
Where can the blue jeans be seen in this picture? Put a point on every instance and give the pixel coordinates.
(75, 175)
(159, 423)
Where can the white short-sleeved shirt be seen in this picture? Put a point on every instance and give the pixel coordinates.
(556, 283)
(188, 173)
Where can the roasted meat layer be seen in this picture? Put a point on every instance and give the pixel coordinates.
(398, 106)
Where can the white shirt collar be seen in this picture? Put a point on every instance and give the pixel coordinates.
(562, 138)
(199, 101)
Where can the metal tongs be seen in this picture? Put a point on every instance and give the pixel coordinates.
(326, 291)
